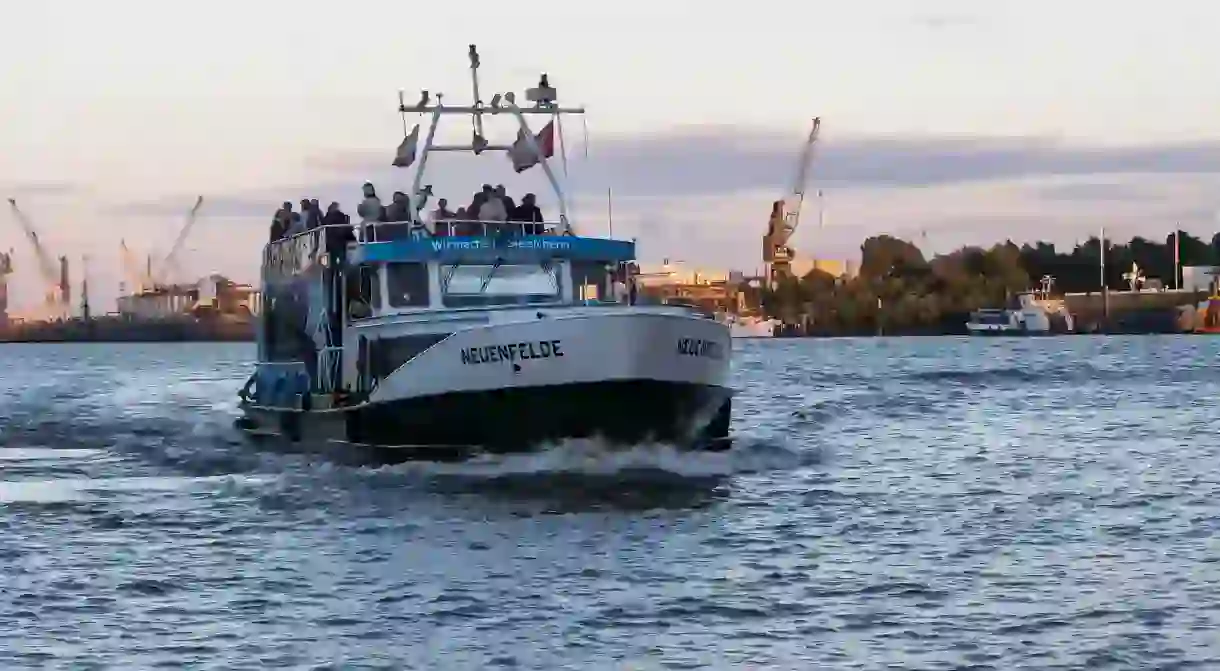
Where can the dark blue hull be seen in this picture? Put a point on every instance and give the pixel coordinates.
(458, 425)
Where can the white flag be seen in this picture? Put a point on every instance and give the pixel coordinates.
(523, 155)
(406, 151)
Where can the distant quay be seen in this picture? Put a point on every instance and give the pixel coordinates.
(120, 329)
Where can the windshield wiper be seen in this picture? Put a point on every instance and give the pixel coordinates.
(551, 275)
(487, 280)
(448, 277)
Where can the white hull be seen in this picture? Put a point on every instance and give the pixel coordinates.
(566, 346)
(751, 328)
(755, 330)
(527, 377)
(994, 330)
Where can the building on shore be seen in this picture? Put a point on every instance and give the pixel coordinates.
(714, 291)
(837, 268)
(1200, 278)
(213, 294)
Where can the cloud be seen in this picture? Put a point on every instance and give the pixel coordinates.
(702, 194)
(947, 21)
(717, 160)
(225, 206)
(38, 188)
(1094, 191)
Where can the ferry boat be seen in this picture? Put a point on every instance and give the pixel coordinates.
(447, 339)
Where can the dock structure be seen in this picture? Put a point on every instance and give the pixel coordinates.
(1147, 311)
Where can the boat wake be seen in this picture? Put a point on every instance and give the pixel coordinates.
(592, 457)
(586, 475)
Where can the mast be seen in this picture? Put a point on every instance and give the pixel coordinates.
(84, 288)
(1105, 291)
(544, 99)
(1177, 257)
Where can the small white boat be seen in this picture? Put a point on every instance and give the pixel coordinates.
(1029, 318)
(445, 339)
(750, 327)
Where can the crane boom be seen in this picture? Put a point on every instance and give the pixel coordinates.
(49, 269)
(792, 209)
(168, 263)
(131, 269)
(786, 215)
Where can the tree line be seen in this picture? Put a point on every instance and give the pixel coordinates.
(899, 291)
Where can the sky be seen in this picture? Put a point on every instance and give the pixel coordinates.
(947, 122)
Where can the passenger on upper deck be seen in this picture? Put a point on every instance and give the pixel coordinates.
(399, 208)
(442, 211)
(493, 209)
(502, 194)
(370, 209)
(296, 223)
(472, 210)
(441, 218)
(302, 221)
(335, 216)
(314, 219)
(281, 221)
(528, 212)
(339, 232)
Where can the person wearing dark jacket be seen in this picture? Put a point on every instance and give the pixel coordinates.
(399, 208)
(529, 213)
(472, 210)
(335, 216)
(502, 193)
(313, 215)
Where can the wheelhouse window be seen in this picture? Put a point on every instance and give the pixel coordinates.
(407, 285)
(476, 285)
(371, 286)
(590, 280)
(363, 292)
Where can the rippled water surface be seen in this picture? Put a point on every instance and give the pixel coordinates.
(921, 504)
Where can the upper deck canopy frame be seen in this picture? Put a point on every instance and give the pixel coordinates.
(544, 99)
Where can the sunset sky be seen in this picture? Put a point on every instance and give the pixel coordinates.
(970, 121)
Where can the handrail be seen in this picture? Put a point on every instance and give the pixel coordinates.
(484, 226)
(467, 227)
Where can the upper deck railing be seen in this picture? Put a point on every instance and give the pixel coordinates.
(470, 241)
(448, 241)
(400, 230)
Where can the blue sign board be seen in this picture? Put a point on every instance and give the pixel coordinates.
(524, 249)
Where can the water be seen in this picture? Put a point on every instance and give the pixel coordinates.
(920, 503)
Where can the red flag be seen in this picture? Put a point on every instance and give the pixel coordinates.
(546, 139)
(524, 157)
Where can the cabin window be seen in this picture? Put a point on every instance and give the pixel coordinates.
(370, 286)
(505, 284)
(363, 292)
(407, 285)
(590, 280)
(386, 355)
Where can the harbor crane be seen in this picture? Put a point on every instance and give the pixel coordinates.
(786, 216)
(139, 279)
(54, 276)
(170, 263)
(145, 279)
